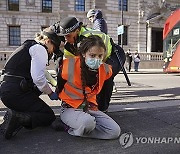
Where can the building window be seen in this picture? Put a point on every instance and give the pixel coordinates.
(13, 5)
(125, 5)
(47, 6)
(14, 35)
(79, 5)
(125, 36)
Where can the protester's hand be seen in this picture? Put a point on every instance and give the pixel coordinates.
(53, 96)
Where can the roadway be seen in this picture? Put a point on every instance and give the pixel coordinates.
(149, 109)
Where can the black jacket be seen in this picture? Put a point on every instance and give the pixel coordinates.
(19, 62)
(99, 22)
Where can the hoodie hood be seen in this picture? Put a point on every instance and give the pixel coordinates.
(99, 22)
(98, 14)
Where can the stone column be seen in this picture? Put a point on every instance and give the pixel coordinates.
(149, 36)
(141, 37)
(141, 29)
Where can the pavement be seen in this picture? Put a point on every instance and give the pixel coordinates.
(148, 113)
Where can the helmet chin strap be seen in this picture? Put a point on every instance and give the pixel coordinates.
(74, 39)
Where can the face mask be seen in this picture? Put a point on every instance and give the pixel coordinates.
(93, 63)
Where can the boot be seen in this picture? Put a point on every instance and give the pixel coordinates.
(11, 125)
(58, 125)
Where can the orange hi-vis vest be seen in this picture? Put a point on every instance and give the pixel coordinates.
(72, 92)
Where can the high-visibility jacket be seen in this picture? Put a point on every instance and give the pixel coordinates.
(87, 32)
(72, 92)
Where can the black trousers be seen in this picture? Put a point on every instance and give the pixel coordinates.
(129, 66)
(104, 97)
(27, 102)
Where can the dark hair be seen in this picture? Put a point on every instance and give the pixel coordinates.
(89, 42)
(85, 45)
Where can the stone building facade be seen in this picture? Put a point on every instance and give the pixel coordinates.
(143, 20)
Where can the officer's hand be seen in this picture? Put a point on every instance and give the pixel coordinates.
(53, 96)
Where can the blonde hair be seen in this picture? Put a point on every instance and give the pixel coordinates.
(40, 37)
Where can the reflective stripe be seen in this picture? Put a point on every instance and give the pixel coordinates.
(106, 68)
(77, 89)
(70, 80)
(91, 32)
(71, 69)
(104, 38)
(73, 96)
(106, 43)
(71, 74)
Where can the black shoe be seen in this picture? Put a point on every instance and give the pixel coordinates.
(10, 126)
(58, 125)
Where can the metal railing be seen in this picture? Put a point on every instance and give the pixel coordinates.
(153, 56)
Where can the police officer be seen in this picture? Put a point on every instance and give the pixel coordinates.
(24, 80)
(74, 32)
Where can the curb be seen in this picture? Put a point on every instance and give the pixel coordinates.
(146, 71)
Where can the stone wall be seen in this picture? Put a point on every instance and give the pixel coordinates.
(30, 19)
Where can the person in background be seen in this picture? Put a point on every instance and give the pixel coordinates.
(128, 60)
(24, 81)
(74, 32)
(96, 17)
(80, 79)
(136, 61)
